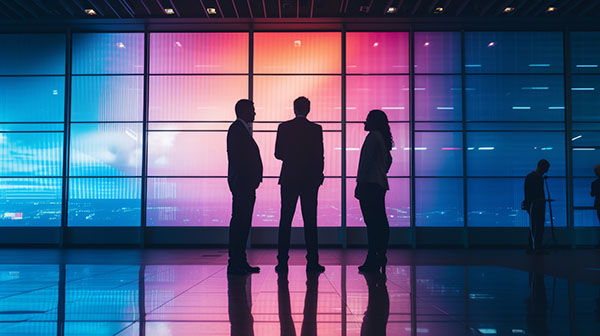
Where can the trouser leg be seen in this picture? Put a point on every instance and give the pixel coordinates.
(538, 212)
(309, 200)
(289, 198)
(239, 226)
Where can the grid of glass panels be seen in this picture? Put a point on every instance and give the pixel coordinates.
(105, 153)
(32, 110)
(479, 125)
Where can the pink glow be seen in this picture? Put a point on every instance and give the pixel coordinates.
(401, 158)
(268, 204)
(377, 52)
(387, 93)
(274, 97)
(298, 53)
(451, 148)
(187, 154)
(272, 167)
(199, 53)
(190, 98)
(397, 201)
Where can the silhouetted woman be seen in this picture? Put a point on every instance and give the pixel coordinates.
(596, 190)
(371, 186)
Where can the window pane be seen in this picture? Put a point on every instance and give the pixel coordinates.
(21, 54)
(187, 153)
(515, 98)
(586, 218)
(585, 52)
(585, 159)
(400, 152)
(105, 201)
(30, 202)
(438, 154)
(377, 52)
(268, 204)
(387, 93)
(497, 202)
(439, 202)
(514, 154)
(191, 98)
(108, 53)
(397, 203)
(332, 144)
(513, 52)
(107, 98)
(189, 202)
(298, 53)
(30, 99)
(199, 53)
(582, 188)
(106, 149)
(585, 95)
(31, 154)
(437, 52)
(274, 97)
(438, 98)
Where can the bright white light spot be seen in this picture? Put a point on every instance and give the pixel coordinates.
(486, 148)
(491, 44)
(178, 44)
(376, 44)
(297, 43)
(426, 44)
(120, 45)
(577, 137)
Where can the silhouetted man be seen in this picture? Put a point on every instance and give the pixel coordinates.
(244, 175)
(535, 204)
(299, 145)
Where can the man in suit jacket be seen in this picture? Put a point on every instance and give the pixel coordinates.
(244, 175)
(299, 145)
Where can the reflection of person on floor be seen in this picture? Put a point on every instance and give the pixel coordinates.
(299, 144)
(378, 307)
(371, 187)
(596, 191)
(535, 204)
(537, 306)
(309, 322)
(239, 290)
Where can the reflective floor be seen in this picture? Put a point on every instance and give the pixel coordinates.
(92, 293)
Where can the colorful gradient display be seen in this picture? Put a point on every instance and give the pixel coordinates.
(514, 110)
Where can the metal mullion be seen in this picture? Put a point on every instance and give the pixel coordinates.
(144, 198)
(344, 231)
(411, 103)
(464, 140)
(569, 133)
(66, 140)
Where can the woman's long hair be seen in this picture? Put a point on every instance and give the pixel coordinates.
(377, 120)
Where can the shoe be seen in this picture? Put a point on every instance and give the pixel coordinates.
(252, 269)
(236, 270)
(281, 268)
(315, 268)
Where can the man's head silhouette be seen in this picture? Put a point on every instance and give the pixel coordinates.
(301, 106)
(244, 109)
(543, 166)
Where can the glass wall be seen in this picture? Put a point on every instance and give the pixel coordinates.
(483, 107)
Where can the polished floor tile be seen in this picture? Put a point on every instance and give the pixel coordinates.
(194, 296)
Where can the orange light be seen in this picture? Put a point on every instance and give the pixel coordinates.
(169, 11)
(90, 11)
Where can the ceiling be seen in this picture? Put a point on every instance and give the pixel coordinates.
(26, 10)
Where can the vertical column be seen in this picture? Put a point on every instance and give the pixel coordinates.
(142, 299)
(568, 135)
(413, 299)
(342, 238)
(60, 315)
(464, 139)
(250, 89)
(411, 100)
(145, 138)
(66, 141)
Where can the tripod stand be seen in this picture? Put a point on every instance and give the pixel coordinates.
(550, 200)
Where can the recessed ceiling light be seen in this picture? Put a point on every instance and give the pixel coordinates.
(178, 44)
(169, 11)
(392, 10)
(297, 43)
(438, 10)
(550, 9)
(426, 44)
(90, 11)
(211, 10)
(491, 44)
(376, 44)
(509, 9)
(120, 45)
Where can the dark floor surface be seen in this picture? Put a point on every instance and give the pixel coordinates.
(187, 292)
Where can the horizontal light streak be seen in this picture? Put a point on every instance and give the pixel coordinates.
(538, 65)
(445, 108)
(392, 108)
(577, 137)
(486, 148)
(584, 149)
(451, 148)
(472, 65)
(586, 66)
(556, 107)
(583, 89)
(535, 88)
(521, 107)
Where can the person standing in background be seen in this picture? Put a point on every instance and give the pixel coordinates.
(596, 191)
(535, 204)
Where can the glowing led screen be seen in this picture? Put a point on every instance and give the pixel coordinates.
(511, 112)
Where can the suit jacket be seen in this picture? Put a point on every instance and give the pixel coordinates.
(596, 193)
(299, 145)
(245, 167)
